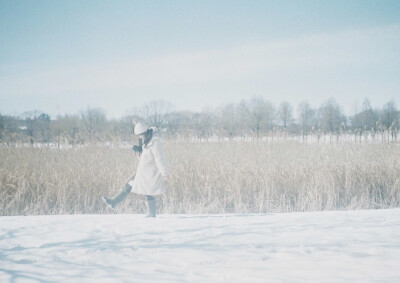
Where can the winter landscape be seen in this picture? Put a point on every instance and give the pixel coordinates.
(233, 212)
(199, 141)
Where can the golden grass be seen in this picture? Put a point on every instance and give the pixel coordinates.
(224, 177)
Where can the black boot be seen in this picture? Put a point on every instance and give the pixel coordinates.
(120, 196)
(108, 202)
(152, 206)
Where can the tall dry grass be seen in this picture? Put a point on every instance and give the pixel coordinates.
(225, 177)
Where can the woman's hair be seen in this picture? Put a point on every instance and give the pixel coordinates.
(147, 136)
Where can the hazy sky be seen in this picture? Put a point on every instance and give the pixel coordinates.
(63, 56)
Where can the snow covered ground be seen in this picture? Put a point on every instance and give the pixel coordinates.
(320, 246)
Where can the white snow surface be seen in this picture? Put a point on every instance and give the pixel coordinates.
(318, 247)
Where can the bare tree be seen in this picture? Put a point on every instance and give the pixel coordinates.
(202, 124)
(390, 118)
(14, 129)
(179, 123)
(114, 130)
(285, 115)
(368, 116)
(261, 116)
(126, 127)
(228, 120)
(174, 121)
(43, 125)
(94, 120)
(331, 117)
(388, 114)
(37, 126)
(66, 129)
(156, 112)
(306, 118)
(364, 121)
(243, 118)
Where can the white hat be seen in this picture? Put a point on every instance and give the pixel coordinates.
(140, 128)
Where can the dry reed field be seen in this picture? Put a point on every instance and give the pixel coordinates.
(221, 177)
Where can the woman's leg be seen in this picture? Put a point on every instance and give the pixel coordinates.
(121, 195)
(152, 206)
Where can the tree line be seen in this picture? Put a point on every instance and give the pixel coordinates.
(255, 118)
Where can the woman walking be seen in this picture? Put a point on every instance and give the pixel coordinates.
(151, 174)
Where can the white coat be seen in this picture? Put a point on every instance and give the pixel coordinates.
(151, 169)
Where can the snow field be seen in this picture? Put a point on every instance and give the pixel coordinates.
(316, 246)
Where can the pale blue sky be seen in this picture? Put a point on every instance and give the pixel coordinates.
(62, 56)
